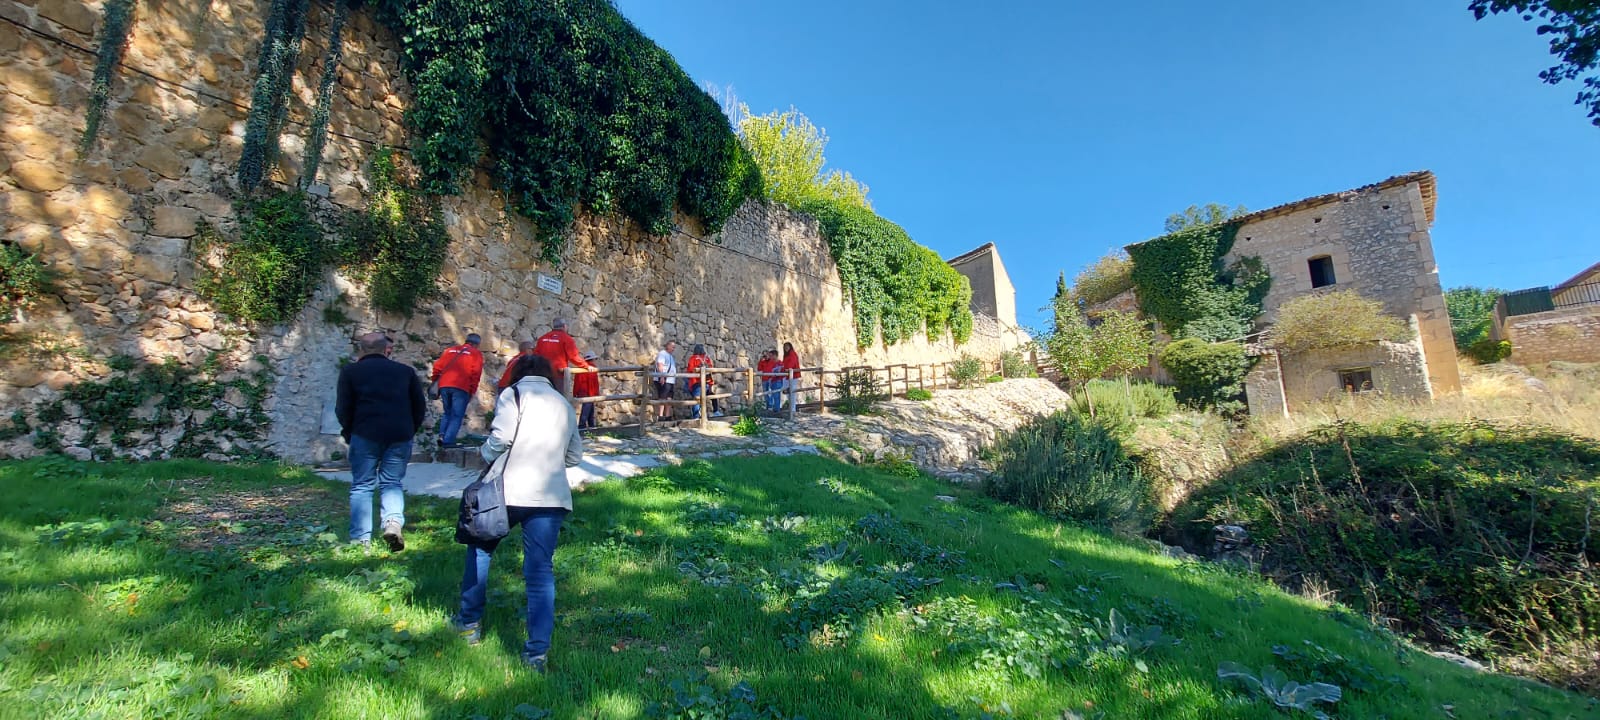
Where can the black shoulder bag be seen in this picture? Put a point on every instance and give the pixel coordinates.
(484, 518)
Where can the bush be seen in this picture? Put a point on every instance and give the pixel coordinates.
(857, 392)
(1457, 530)
(919, 394)
(269, 273)
(997, 377)
(749, 423)
(1107, 278)
(1485, 351)
(1070, 468)
(966, 371)
(1334, 319)
(1014, 365)
(1112, 399)
(1207, 375)
(22, 280)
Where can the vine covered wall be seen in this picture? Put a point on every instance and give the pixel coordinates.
(1182, 281)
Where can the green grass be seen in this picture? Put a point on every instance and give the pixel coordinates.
(187, 589)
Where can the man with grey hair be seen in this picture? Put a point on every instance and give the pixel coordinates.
(380, 406)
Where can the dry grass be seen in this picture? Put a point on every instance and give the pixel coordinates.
(1565, 396)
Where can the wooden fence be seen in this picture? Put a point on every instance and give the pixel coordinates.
(809, 392)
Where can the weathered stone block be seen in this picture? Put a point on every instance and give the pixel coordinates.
(70, 14)
(192, 139)
(162, 161)
(35, 84)
(38, 176)
(174, 222)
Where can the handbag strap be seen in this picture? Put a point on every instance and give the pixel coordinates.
(453, 360)
(505, 457)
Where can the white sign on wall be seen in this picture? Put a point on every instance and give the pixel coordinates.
(549, 283)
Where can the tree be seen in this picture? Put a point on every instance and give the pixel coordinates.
(1211, 214)
(1335, 319)
(1207, 375)
(1104, 279)
(787, 147)
(1471, 312)
(1121, 344)
(1070, 345)
(1574, 27)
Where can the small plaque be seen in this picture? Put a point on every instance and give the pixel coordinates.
(549, 283)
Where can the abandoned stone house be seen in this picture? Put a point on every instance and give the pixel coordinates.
(1559, 323)
(1373, 240)
(994, 299)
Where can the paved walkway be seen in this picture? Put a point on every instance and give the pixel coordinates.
(447, 480)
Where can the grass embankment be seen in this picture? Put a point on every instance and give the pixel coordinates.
(186, 589)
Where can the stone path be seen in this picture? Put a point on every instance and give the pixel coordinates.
(447, 479)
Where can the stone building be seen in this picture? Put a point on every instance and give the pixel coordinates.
(116, 224)
(994, 299)
(1545, 324)
(1373, 240)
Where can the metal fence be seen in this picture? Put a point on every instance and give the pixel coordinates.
(1545, 299)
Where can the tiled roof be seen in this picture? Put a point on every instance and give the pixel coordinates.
(971, 254)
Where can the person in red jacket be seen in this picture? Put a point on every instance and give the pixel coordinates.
(699, 359)
(458, 371)
(560, 349)
(791, 364)
(524, 349)
(769, 384)
(586, 385)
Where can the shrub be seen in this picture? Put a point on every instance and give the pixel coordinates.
(997, 377)
(919, 394)
(857, 392)
(1207, 375)
(749, 423)
(398, 244)
(1471, 313)
(23, 279)
(1107, 278)
(269, 273)
(1014, 365)
(1485, 351)
(966, 371)
(1111, 398)
(1457, 530)
(1069, 468)
(1334, 319)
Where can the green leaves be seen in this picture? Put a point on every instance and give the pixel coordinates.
(1181, 282)
(573, 106)
(23, 280)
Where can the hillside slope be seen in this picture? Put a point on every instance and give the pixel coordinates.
(833, 591)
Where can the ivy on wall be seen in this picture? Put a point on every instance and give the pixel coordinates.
(269, 97)
(274, 266)
(398, 244)
(895, 286)
(319, 115)
(571, 105)
(1182, 281)
(23, 279)
(115, 25)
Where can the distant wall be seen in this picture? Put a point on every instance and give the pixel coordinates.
(116, 225)
(1568, 334)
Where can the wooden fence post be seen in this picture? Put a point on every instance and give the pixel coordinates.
(704, 391)
(646, 410)
(822, 389)
(749, 386)
(793, 396)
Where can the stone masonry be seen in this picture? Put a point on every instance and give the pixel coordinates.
(115, 225)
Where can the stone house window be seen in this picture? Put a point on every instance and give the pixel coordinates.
(1322, 271)
(1356, 380)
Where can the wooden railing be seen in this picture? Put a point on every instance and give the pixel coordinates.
(743, 384)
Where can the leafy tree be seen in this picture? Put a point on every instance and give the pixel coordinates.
(787, 147)
(1334, 319)
(1574, 27)
(1471, 312)
(1195, 215)
(1105, 278)
(1121, 344)
(1070, 345)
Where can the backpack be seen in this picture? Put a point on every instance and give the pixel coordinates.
(484, 517)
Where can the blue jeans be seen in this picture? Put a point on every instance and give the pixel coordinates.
(541, 528)
(455, 409)
(382, 465)
(586, 416)
(771, 388)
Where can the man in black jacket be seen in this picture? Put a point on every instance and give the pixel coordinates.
(380, 407)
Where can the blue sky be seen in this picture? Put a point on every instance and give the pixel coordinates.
(1059, 130)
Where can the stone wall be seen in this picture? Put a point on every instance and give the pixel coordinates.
(115, 225)
(1567, 334)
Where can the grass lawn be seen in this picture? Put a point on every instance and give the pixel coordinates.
(188, 589)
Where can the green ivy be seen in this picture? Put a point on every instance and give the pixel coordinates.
(571, 105)
(895, 286)
(319, 115)
(269, 97)
(23, 279)
(269, 273)
(1208, 375)
(114, 29)
(398, 244)
(1182, 281)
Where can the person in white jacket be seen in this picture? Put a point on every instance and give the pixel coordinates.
(537, 499)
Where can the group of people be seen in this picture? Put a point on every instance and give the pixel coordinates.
(382, 404)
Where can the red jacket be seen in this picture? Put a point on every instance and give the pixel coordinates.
(505, 377)
(766, 366)
(695, 363)
(791, 362)
(585, 384)
(459, 367)
(561, 350)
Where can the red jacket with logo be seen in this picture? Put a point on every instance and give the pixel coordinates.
(459, 367)
(561, 350)
(695, 363)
